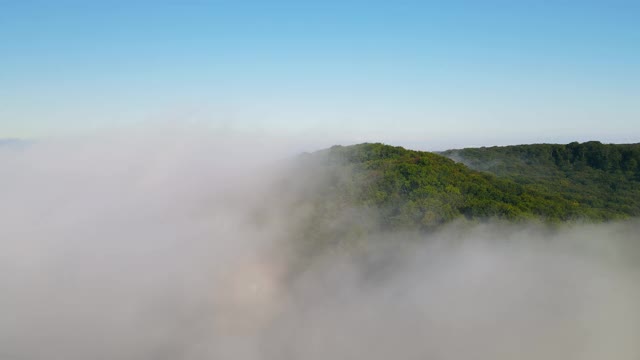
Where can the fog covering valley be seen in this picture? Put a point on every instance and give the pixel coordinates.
(190, 245)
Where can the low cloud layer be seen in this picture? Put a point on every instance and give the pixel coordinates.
(174, 246)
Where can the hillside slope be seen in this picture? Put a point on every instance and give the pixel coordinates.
(604, 179)
(346, 198)
(354, 189)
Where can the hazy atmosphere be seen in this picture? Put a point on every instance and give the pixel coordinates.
(429, 75)
(147, 247)
(285, 180)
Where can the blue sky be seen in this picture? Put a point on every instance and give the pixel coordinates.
(423, 74)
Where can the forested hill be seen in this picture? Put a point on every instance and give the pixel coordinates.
(604, 179)
(405, 189)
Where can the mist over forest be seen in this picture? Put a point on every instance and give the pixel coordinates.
(319, 180)
(191, 245)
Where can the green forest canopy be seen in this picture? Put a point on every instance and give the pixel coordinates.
(604, 179)
(406, 189)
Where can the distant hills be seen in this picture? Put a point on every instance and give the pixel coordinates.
(13, 142)
(8, 141)
(603, 179)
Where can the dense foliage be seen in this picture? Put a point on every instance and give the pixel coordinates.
(603, 179)
(344, 195)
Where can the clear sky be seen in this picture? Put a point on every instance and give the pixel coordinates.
(424, 74)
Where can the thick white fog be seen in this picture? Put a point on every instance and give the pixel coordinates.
(147, 246)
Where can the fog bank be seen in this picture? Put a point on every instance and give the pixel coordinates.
(175, 245)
